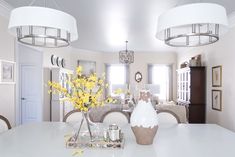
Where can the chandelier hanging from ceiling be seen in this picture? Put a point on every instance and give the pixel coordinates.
(126, 56)
(192, 25)
(43, 26)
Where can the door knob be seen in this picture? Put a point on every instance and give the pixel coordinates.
(23, 98)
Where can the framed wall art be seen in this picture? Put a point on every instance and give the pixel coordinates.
(7, 72)
(217, 100)
(89, 67)
(217, 76)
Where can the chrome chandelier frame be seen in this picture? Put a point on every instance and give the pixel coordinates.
(30, 37)
(126, 56)
(197, 32)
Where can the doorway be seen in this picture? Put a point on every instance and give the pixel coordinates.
(30, 87)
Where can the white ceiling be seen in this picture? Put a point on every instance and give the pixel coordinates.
(104, 25)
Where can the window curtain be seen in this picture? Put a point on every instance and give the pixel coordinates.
(166, 72)
(170, 70)
(150, 73)
(126, 75)
(107, 73)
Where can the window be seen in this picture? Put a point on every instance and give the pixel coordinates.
(117, 77)
(161, 77)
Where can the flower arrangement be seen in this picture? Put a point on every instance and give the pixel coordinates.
(86, 91)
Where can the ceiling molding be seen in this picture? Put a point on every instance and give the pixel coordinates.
(5, 9)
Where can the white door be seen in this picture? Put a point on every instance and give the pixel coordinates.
(30, 93)
(30, 84)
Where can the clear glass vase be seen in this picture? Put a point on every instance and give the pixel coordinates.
(85, 121)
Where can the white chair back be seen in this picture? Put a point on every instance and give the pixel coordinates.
(74, 119)
(73, 116)
(167, 117)
(116, 117)
(4, 124)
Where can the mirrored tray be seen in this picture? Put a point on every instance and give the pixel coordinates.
(99, 142)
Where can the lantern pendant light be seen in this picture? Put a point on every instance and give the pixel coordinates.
(126, 56)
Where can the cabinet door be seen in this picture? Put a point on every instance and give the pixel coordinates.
(181, 90)
(189, 85)
(196, 113)
(197, 86)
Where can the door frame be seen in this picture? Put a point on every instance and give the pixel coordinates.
(18, 106)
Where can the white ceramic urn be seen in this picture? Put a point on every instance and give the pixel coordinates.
(144, 121)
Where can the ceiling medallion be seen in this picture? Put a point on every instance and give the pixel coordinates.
(42, 26)
(126, 56)
(192, 25)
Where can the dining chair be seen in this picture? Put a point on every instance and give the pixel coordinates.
(179, 111)
(167, 117)
(4, 124)
(116, 117)
(73, 116)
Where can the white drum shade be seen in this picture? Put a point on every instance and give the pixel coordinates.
(204, 18)
(41, 26)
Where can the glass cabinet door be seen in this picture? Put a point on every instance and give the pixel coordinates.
(183, 85)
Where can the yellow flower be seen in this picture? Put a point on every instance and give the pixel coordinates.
(77, 152)
(93, 78)
(90, 85)
(101, 81)
(118, 91)
(79, 70)
(85, 91)
(107, 85)
(109, 100)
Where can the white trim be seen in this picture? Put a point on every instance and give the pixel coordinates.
(7, 61)
(17, 87)
(5, 9)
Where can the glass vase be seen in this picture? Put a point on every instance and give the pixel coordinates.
(85, 119)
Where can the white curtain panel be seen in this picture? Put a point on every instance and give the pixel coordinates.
(160, 76)
(117, 76)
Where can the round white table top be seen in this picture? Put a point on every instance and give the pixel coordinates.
(183, 140)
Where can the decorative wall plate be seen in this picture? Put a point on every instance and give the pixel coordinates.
(58, 61)
(53, 59)
(63, 63)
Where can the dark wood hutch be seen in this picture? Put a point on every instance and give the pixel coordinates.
(191, 87)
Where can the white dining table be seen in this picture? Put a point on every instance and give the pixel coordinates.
(46, 139)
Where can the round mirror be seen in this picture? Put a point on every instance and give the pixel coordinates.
(138, 77)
